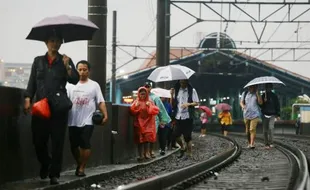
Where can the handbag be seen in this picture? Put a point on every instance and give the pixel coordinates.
(59, 102)
(58, 99)
(97, 117)
(41, 109)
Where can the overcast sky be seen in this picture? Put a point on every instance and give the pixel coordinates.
(136, 25)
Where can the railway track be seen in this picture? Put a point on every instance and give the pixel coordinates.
(188, 176)
(283, 167)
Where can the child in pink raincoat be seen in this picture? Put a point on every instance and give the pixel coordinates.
(144, 111)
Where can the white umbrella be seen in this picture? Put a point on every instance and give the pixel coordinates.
(161, 92)
(264, 80)
(171, 72)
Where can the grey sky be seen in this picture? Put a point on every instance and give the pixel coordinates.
(136, 19)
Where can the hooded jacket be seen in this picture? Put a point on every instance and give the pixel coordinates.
(144, 121)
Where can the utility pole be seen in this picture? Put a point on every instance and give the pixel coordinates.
(113, 80)
(161, 36)
(97, 47)
(167, 36)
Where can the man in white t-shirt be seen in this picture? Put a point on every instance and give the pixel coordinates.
(85, 96)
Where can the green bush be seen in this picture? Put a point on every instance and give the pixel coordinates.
(286, 113)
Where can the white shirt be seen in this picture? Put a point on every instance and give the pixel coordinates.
(84, 97)
(182, 98)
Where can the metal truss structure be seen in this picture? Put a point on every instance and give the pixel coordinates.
(272, 53)
(276, 53)
(251, 18)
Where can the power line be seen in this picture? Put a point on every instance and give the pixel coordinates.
(277, 27)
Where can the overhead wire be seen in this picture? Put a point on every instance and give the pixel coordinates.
(274, 31)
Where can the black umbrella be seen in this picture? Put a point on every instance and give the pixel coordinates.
(69, 28)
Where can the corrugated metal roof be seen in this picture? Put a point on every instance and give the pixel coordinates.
(181, 54)
(272, 66)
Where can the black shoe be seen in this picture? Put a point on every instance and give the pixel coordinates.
(181, 153)
(77, 171)
(54, 181)
(44, 171)
(162, 152)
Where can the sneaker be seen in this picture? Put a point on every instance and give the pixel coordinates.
(203, 135)
(249, 146)
(271, 145)
(162, 152)
(252, 146)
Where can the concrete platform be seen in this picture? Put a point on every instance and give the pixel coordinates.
(69, 180)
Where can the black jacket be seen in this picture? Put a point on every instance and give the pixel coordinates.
(45, 79)
(271, 106)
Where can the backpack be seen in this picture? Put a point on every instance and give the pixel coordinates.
(245, 93)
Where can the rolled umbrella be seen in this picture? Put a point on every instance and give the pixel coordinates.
(69, 28)
(170, 73)
(223, 107)
(264, 80)
(207, 110)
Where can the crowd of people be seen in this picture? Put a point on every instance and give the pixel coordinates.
(167, 119)
(170, 120)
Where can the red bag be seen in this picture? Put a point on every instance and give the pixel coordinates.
(41, 109)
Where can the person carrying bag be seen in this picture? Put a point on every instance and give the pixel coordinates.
(46, 88)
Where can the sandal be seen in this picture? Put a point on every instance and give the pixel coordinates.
(153, 156)
(81, 174)
(147, 157)
(140, 159)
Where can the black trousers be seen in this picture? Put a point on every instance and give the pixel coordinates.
(162, 137)
(171, 137)
(42, 130)
(185, 128)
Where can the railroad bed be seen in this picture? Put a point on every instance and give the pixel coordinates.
(203, 149)
(255, 169)
(282, 167)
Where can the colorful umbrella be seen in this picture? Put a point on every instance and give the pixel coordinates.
(207, 110)
(223, 107)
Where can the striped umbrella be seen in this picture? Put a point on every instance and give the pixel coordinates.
(264, 80)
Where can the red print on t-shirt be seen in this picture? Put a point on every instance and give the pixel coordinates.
(81, 101)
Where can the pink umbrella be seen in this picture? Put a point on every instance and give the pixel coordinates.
(223, 107)
(207, 110)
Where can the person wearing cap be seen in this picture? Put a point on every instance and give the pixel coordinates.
(161, 119)
(184, 98)
(86, 95)
(49, 74)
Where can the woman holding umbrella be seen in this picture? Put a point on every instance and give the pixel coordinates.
(47, 83)
(225, 121)
(204, 119)
(224, 117)
(49, 74)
